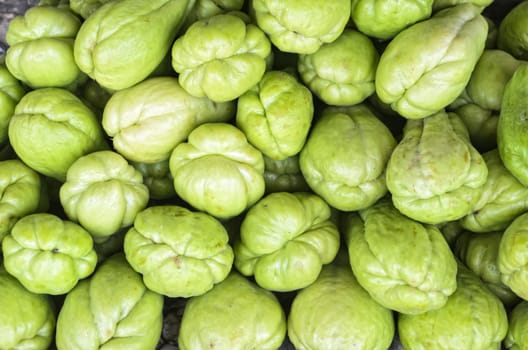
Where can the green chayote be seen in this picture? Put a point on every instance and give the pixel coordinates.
(11, 91)
(112, 309)
(425, 67)
(512, 35)
(85, 8)
(481, 125)
(157, 178)
(203, 9)
(342, 72)
(284, 175)
(103, 193)
(405, 265)
(48, 255)
(285, 239)
(180, 253)
(442, 4)
(517, 337)
(236, 314)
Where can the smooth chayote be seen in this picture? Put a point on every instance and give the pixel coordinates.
(481, 124)
(284, 175)
(11, 91)
(47, 254)
(236, 314)
(285, 239)
(512, 35)
(157, 178)
(425, 67)
(103, 193)
(112, 309)
(405, 265)
(517, 337)
(342, 72)
(149, 119)
(179, 252)
(428, 183)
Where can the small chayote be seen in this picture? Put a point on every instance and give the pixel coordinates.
(405, 265)
(47, 254)
(284, 175)
(435, 174)
(442, 4)
(203, 9)
(236, 314)
(157, 178)
(85, 8)
(481, 125)
(11, 91)
(517, 337)
(512, 35)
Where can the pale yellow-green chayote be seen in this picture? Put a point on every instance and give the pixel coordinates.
(47, 254)
(479, 251)
(285, 239)
(40, 52)
(11, 91)
(112, 309)
(517, 337)
(220, 57)
(442, 4)
(341, 72)
(336, 313)
(124, 41)
(103, 193)
(481, 124)
(429, 183)
(217, 170)
(512, 34)
(51, 128)
(22, 193)
(236, 314)
(276, 114)
(500, 200)
(27, 320)
(513, 256)
(383, 19)
(284, 175)
(301, 26)
(149, 119)
(179, 252)
(405, 265)
(157, 178)
(203, 9)
(426, 66)
(85, 8)
(345, 155)
(473, 318)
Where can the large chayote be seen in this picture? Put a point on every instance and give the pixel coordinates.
(285, 239)
(179, 252)
(336, 313)
(473, 318)
(517, 337)
(51, 128)
(512, 36)
(103, 193)
(345, 155)
(405, 265)
(342, 72)
(435, 174)
(220, 57)
(147, 120)
(426, 66)
(236, 314)
(11, 91)
(122, 42)
(48, 255)
(112, 309)
(27, 320)
(301, 26)
(217, 170)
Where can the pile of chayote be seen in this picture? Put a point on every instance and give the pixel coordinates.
(265, 174)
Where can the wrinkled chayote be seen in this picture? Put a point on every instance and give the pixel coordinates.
(517, 337)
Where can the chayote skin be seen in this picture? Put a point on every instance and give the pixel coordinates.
(85, 8)
(301, 26)
(103, 193)
(27, 320)
(336, 313)
(442, 4)
(40, 52)
(147, 120)
(386, 18)
(112, 309)
(513, 256)
(517, 337)
(345, 155)
(124, 41)
(512, 35)
(276, 114)
(236, 314)
(481, 125)
(342, 72)
(405, 265)
(284, 175)
(157, 178)
(180, 253)
(217, 170)
(203, 9)
(501, 199)
(426, 67)
(51, 128)
(478, 251)
(220, 57)
(285, 239)
(428, 183)
(48, 255)
(473, 318)
(11, 91)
